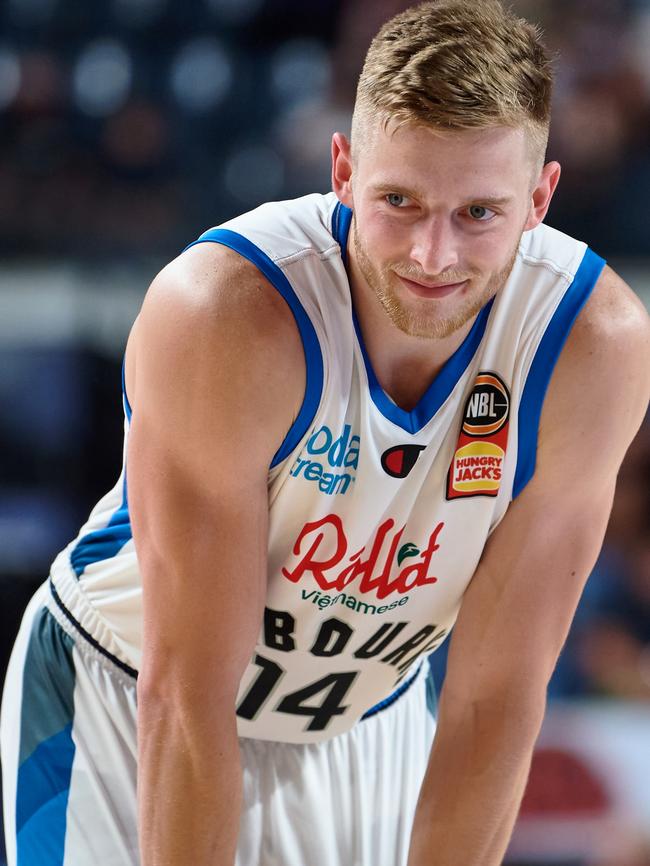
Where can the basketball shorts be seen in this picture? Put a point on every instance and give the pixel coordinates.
(68, 738)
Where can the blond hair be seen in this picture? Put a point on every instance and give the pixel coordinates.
(456, 65)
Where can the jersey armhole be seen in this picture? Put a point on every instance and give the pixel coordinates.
(310, 343)
(125, 399)
(543, 364)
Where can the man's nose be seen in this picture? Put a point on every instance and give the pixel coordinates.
(435, 247)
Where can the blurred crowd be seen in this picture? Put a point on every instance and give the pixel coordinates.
(128, 126)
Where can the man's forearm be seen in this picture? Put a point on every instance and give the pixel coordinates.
(189, 789)
(474, 784)
(503, 835)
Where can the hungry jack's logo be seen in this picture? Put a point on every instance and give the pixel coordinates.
(477, 465)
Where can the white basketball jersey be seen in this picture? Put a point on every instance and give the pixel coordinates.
(378, 516)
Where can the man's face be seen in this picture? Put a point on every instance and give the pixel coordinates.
(437, 221)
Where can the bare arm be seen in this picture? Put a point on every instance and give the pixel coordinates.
(211, 373)
(519, 606)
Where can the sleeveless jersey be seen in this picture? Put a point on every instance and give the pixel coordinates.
(378, 516)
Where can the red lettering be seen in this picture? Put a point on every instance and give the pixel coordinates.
(318, 567)
(484, 472)
(372, 573)
(365, 568)
(419, 570)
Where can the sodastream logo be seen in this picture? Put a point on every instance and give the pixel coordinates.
(328, 461)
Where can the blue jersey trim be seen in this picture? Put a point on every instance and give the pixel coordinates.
(311, 346)
(46, 745)
(44, 788)
(104, 543)
(125, 399)
(341, 220)
(446, 380)
(383, 705)
(107, 542)
(548, 351)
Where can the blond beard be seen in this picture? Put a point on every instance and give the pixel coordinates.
(431, 325)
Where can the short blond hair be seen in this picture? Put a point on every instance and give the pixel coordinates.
(456, 65)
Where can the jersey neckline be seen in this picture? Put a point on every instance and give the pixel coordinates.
(444, 383)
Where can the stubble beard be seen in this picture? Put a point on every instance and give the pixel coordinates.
(434, 324)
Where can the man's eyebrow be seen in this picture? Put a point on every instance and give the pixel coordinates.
(402, 189)
(492, 199)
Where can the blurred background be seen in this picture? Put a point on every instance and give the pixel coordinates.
(127, 127)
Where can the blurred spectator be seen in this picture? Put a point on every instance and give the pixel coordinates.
(122, 125)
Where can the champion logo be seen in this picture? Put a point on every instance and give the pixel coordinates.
(399, 460)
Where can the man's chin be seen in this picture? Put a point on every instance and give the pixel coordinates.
(425, 327)
(436, 323)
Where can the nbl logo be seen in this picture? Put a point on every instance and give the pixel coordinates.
(487, 407)
(477, 465)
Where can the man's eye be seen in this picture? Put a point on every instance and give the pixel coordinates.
(395, 199)
(480, 213)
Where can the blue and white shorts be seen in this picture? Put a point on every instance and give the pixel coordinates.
(68, 737)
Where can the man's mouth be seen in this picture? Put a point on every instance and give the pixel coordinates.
(431, 290)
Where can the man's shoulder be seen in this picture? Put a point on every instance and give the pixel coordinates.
(599, 391)
(614, 320)
(215, 361)
(213, 305)
(211, 283)
(612, 311)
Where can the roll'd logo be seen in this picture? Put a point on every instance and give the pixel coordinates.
(477, 465)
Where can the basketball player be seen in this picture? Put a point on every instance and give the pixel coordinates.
(352, 421)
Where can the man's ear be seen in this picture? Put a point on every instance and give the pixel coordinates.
(342, 168)
(542, 194)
